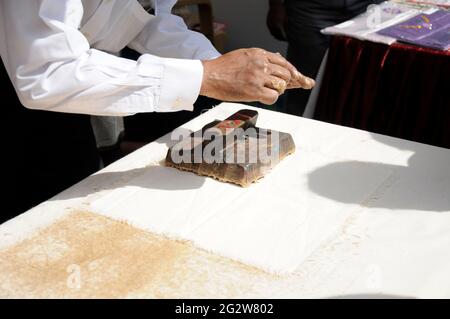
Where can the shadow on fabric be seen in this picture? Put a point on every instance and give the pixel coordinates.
(422, 185)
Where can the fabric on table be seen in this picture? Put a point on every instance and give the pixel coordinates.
(273, 225)
(393, 244)
(378, 17)
(425, 30)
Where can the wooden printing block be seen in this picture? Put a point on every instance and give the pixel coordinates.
(239, 153)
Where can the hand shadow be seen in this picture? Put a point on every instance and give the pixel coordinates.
(155, 176)
(424, 184)
(149, 177)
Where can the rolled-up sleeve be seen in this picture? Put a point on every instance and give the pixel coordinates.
(53, 67)
(180, 82)
(167, 35)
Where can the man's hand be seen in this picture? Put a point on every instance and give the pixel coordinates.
(249, 75)
(276, 19)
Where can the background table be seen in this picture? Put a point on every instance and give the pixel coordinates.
(399, 90)
(351, 213)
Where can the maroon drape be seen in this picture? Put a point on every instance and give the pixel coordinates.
(399, 90)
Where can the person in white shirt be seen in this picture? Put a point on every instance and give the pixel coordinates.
(60, 56)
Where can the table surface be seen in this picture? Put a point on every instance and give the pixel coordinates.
(351, 213)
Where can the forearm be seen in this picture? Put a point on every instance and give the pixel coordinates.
(53, 67)
(101, 84)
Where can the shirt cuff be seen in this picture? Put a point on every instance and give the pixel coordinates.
(180, 84)
(210, 54)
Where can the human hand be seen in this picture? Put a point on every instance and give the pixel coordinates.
(249, 75)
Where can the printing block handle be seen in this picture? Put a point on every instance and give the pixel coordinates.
(242, 119)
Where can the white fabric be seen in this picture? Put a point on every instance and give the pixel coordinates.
(275, 224)
(377, 17)
(426, 3)
(55, 52)
(359, 214)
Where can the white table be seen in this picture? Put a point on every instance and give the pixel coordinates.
(349, 214)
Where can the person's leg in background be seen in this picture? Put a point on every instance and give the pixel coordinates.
(307, 45)
(308, 60)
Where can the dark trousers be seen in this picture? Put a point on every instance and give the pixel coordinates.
(307, 46)
(43, 152)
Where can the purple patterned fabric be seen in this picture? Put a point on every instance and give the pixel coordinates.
(430, 30)
(439, 40)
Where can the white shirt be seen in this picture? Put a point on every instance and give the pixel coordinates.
(55, 52)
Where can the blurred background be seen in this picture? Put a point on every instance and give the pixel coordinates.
(248, 28)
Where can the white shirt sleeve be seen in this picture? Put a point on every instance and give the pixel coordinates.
(167, 35)
(53, 67)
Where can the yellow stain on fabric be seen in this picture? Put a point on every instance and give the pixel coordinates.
(85, 255)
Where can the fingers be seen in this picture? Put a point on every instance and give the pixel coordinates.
(269, 96)
(250, 75)
(275, 83)
(297, 80)
(277, 58)
(300, 82)
(273, 88)
(280, 72)
(303, 82)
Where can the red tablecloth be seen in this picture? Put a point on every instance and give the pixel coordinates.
(399, 90)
